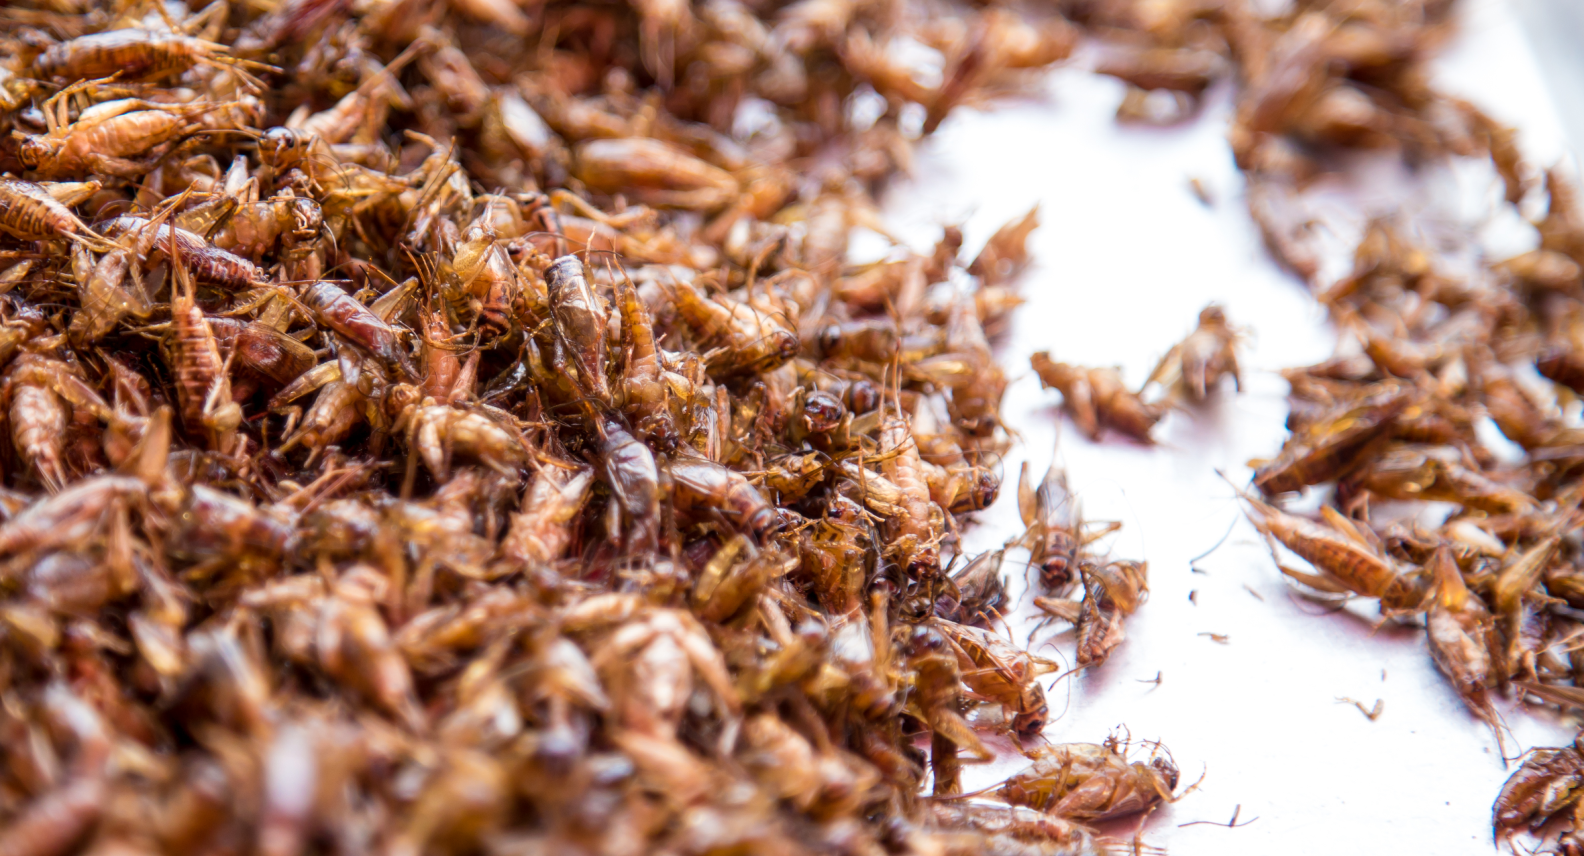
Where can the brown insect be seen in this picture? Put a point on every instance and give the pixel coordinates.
(136, 54)
(31, 212)
(1545, 785)
(1192, 368)
(122, 137)
(1112, 591)
(496, 450)
(1328, 447)
(1344, 558)
(1088, 782)
(1096, 399)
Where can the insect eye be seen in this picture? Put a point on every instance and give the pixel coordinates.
(1168, 770)
(862, 397)
(829, 338)
(823, 412)
(277, 140)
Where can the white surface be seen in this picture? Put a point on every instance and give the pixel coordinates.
(1553, 28)
(1124, 259)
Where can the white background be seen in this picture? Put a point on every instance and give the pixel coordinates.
(1124, 259)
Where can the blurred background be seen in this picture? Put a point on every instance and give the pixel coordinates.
(1555, 31)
